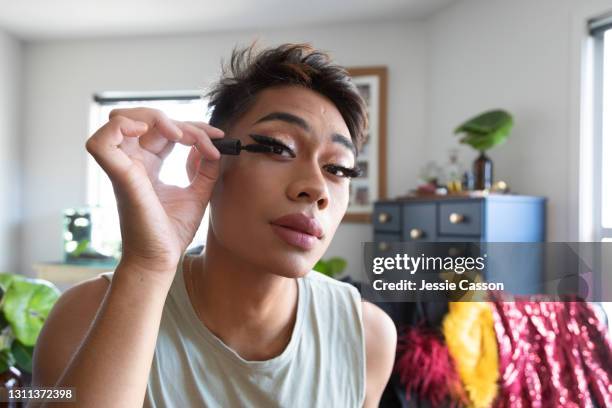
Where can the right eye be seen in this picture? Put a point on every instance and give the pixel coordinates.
(280, 150)
(278, 147)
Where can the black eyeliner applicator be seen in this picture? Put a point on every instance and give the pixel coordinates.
(234, 146)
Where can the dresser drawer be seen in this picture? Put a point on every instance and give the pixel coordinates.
(384, 241)
(419, 222)
(460, 218)
(387, 217)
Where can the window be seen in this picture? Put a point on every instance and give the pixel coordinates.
(179, 106)
(601, 32)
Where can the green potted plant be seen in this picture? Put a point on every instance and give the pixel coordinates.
(331, 267)
(25, 303)
(482, 132)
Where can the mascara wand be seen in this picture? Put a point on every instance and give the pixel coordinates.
(234, 146)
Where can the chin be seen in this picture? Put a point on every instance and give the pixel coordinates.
(288, 263)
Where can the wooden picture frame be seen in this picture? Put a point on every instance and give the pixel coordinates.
(372, 159)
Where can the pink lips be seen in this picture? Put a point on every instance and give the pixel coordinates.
(298, 230)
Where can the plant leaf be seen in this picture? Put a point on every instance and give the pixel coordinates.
(336, 265)
(331, 267)
(23, 356)
(5, 281)
(322, 267)
(485, 122)
(480, 142)
(486, 130)
(81, 247)
(26, 305)
(6, 360)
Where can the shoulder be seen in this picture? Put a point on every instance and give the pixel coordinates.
(380, 345)
(65, 328)
(333, 296)
(317, 279)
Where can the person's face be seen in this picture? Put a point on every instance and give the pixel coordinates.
(255, 189)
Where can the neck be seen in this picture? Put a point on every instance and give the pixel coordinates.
(249, 309)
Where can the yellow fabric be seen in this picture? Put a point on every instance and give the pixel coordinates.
(470, 336)
(468, 295)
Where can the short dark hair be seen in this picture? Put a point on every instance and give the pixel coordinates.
(250, 72)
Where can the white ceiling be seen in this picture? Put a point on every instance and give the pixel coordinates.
(52, 19)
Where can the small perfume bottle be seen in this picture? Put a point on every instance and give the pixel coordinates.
(453, 173)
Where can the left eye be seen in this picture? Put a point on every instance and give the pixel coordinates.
(341, 171)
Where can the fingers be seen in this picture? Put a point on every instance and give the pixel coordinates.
(104, 144)
(203, 160)
(193, 162)
(200, 139)
(163, 130)
(154, 118)
(211, 130)
(157, 134)
(205, 177)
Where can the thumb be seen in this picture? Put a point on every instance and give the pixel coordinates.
(205, 178)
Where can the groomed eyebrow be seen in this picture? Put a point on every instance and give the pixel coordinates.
(338, 138)
(296, 120)
(286, 117)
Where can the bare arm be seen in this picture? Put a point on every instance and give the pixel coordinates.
(101, 340)
(381, 341)
(64, 330)
(110, 366)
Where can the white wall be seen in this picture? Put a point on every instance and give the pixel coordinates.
(10, 152)
(523, 56)
(61, 76)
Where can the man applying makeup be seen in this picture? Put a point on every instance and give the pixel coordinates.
(246, 322)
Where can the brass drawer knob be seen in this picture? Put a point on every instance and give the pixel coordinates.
(383, 246)
(416, 233)
(384, 218)
(456, 218)
(453, 251)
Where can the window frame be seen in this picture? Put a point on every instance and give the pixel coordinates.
(597, 31)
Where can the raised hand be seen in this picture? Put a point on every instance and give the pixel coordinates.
(158, 221)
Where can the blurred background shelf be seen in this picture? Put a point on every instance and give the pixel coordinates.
(65, 275)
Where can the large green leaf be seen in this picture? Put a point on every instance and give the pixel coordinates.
(26, 305)
(485, 122)
(5, 281)
(486, 130)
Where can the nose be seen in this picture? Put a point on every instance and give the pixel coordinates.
(309, 186)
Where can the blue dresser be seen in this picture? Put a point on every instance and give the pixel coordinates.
(493, 218)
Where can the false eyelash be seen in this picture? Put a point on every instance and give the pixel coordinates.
(348, 172)
(269, 141)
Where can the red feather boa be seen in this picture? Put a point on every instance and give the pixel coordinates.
(426, 368)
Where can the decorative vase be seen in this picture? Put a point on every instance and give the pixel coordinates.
(483, 172)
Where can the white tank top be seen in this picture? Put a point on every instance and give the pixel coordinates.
(322, 366)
